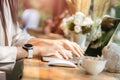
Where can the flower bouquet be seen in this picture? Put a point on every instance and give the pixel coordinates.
(77, 26)
(77, 23)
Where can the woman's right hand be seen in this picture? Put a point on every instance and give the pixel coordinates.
(58, 48)
(52, 51)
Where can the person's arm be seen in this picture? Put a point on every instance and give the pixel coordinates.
(21, 53)
(7, 58)
(46, 47)
(9, 55)
(20, 38)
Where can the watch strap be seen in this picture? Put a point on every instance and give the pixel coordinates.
(29, 49)
(30, 53)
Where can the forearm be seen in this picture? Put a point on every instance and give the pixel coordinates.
(40, 42)
(34, 41)
(21, 53)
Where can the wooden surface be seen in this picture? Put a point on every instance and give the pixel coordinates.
(37, 70)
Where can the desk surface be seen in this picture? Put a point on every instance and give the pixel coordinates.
(37, 70)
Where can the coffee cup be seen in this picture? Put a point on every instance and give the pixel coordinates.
(92, 65)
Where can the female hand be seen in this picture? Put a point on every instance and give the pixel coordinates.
(59, 48)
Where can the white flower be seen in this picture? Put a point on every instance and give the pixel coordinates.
(76, 22)
(79, 14)
(71, 18)
(77, 29)
(78, 18)
(87, 22)
(64, 23)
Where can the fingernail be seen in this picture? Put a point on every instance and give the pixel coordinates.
(67, 58)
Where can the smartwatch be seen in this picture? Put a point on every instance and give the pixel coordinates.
(29, 49)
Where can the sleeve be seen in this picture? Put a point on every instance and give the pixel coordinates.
(7, 58)
(8, 53)
(20, 38)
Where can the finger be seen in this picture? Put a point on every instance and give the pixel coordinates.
(62, 52)
(78, 49)
(58, 55)
(69, 54)
(55, 55)
(69, 46)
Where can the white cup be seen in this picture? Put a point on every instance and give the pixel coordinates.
(93, 65)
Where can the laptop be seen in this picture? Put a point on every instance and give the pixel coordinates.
(110, 27)
(94, 51)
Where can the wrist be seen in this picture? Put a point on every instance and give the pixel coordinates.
(29, 49)
(21, 53)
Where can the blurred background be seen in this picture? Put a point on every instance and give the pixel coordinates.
(51, 8)
(46, 8)
(51, 12)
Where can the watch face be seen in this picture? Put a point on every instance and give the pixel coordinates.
(28, 46)
(29, 49)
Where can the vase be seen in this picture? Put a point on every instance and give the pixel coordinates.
(80, 39)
